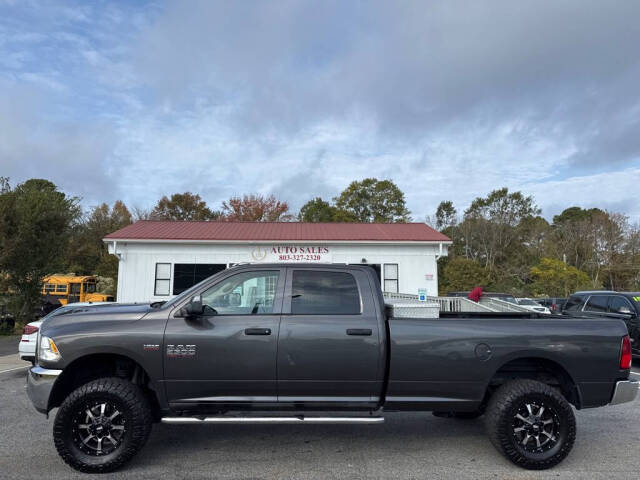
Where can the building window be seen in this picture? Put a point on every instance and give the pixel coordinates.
(391, 277)
(185, 275)
(324, 293)
(163, 279)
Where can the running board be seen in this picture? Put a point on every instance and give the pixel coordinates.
(270, 420)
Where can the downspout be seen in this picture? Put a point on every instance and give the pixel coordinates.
(115, 250)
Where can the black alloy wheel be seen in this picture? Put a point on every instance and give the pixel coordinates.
(531, 424)
(101, 425)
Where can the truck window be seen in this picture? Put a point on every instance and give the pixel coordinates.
(620, 303)
(597, 303)
(574, 303)
(248, 293)
(324, 293)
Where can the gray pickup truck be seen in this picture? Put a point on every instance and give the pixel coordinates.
(286, 343)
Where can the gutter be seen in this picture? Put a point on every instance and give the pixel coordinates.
(278, 241)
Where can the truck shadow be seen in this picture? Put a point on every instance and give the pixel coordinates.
(402, 438)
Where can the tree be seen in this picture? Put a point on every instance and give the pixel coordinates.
(255, 208)
(490, 224)
(87, 253)
(555, 278)
(319, 210)
(183, 206)
(35, 222)
(596, 241)
(316, 211)
(573, 236)
(374, 200)
(463, 274)
(446, 215)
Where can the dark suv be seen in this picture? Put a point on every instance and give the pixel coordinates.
(622, 305)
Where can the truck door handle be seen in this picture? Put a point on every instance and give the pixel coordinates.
(365, 332)
(257, 331)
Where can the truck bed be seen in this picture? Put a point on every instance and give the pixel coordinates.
(450, 361)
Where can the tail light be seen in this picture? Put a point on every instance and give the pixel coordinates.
(29, 329)
(625, 353)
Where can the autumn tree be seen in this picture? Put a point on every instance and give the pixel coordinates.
(255, 208)
(183, 206)
(372, 200)
(35, 221)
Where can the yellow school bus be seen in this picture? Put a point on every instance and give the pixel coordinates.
(64, 289)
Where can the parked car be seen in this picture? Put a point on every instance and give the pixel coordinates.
(555, 304)
(533, 305)
(624, 306)
(27, 345)
(7, 321)
(507, 297)
(292, 343)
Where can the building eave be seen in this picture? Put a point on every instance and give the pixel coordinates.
(270, 242)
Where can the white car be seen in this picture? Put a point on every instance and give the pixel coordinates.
(533, 305)
(27, 346)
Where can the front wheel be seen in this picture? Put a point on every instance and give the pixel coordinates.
(102, 425)
(531, 424)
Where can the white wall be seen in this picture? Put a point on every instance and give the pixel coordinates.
(417, 267)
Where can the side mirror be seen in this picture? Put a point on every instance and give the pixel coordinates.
(193, 308)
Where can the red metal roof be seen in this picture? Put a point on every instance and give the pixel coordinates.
(278, 231)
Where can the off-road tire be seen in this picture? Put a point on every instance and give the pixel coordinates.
(136, 412)
(502, 409)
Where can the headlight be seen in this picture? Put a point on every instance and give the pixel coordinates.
(47, 350)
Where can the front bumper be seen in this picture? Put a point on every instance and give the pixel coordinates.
(625, 391)
(39, 385)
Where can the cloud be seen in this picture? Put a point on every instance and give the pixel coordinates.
(69, 153)
(450, 99)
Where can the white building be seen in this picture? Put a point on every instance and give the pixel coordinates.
(158, 260)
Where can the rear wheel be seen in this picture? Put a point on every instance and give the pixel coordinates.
(102, 425)
(531, 424)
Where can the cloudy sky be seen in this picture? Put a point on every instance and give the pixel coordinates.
(449, 99)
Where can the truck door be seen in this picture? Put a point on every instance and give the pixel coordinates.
(228, 354)
(329, 348)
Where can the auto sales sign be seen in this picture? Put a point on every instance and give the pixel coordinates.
(291, 253)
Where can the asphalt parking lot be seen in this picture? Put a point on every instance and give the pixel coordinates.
(411, 446)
